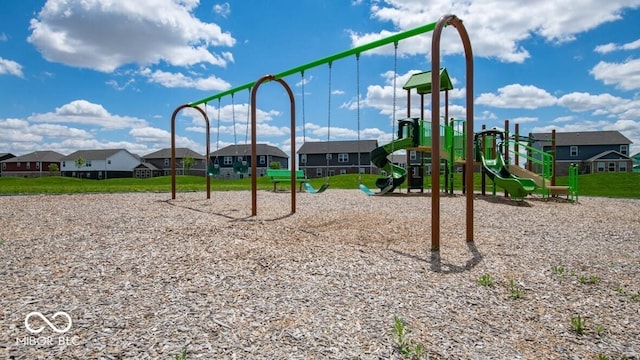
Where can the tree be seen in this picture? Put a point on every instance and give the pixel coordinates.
(187, 164)
(274, 165)
(80, 163)
(53, 169)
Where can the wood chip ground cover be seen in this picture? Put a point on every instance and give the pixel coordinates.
(143, 277)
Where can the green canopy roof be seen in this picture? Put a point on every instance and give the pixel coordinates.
(422, 82)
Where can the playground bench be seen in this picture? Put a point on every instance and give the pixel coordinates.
(284, 175)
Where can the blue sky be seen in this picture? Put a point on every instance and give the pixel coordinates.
(92, 74)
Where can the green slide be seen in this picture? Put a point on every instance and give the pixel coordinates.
(498, 173)
(397, 173)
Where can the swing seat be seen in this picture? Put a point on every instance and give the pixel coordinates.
(312, 190)
(240, 167)
(213, 169)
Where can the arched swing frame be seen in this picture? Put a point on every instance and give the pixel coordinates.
(437, 28)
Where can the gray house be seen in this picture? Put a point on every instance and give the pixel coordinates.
(231, 158)
(328, 158)
(593, 151)
(158, 163)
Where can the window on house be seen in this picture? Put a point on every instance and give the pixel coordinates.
(18, 165)
(343, 171)
(28, 165)
(240, 158)
(303, 158)
(88, 164)
(329, 156)
(624, 149)
(319, 172)
(4, 166)
(362, 170)
(332, 172)
(38, 165)
(263, 159)
(228, 160)
(622, 167)
(167, 162)
(612, 167)
(343, 158)
(64, 163)
(600, 166)
(573, 151)
(413, 155)
(109, 161)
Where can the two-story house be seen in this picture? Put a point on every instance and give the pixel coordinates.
(5, 156)
(99, 164)
(328, 158)
(158, 163)
(592, 151)
(226, 157)
(35, 164)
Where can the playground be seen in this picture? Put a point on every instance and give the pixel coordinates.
(143, 276)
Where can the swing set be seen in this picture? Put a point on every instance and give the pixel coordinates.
(436, 28)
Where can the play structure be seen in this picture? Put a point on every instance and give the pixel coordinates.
(409, 129)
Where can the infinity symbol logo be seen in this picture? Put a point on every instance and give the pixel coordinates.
(53, 327)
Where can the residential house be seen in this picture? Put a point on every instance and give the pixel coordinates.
(158, 163)
(328, 158)
(592, 151)
(226, 157)
(99, 164)
(5, 156)
(35, 164)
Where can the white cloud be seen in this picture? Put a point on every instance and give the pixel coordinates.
(610, 47)
(624, 75)
(104, 35)
(176, 80)
(223, 9)
(10, 67)
(496, 28)
(87, 113)
(580, 101)
(516, 96)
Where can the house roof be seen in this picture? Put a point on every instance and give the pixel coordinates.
(245, 150)
(96, 154)
(584, 138)
(605, 154)
(6, 155)
(346, 146)
(149, 166)
(42, 156)
(180, 154)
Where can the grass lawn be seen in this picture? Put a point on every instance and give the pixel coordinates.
(619, 185)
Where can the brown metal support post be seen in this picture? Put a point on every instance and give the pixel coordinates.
(516, 145)
(553, 153)
(254, 145)
(506, 149)
(435, 128)
(446, 123)
(529, 154)
(173, 148)
(483, 177)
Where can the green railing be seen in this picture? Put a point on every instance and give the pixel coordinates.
(573, 182)
(541, 162)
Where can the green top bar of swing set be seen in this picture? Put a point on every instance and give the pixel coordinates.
(329, 59)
